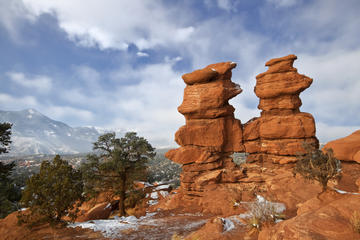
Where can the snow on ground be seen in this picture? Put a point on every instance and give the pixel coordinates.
(344, 192)
(164, 193)
(146, 227)
(153, 202)
(154, 195)
(228, 225)
(162, 187)
(255, 209)
(111, 228)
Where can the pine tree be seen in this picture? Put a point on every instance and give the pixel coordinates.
(9, 193)
(53, 192)
(116, 164)
(5, 134)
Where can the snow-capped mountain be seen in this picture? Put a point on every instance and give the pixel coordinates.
(35, 133)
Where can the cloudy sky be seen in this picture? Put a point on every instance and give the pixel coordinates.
(118, 64)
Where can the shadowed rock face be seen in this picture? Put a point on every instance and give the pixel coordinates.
(211, 133)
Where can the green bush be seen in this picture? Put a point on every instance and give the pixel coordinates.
(55, 192)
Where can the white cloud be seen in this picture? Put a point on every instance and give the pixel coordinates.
(150, 106)
(61, 112)
(11, 14)
(326, 132)
(114, 24)
(142, 54)
(10, 102)
(283, 3)
(39, 82)
(333, 96)
(225, 5)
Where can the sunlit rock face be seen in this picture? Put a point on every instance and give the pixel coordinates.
(211, 133)
(279, 133)
(346, 148)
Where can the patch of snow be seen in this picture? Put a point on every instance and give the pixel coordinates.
(23, 209)
(161, 187)
(152, 202)
(146, 184)
(154, 195)
(164, 193)
(278, 207)
(232, 63)
(191, 214)
(213, 69)
(260, 198)
(344, 192)
(228, 225)
(111, 228)
(29, 116)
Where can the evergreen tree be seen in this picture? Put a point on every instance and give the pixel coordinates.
(116, 164)
(9, 193)
(53, 192)
(5, 133)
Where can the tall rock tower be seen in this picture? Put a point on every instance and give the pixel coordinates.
(211, 133)
(279, 133)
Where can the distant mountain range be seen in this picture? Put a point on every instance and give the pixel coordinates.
(35, 133)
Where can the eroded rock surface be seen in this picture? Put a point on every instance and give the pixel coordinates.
(347, 148)
(278, 134)
(211, 133)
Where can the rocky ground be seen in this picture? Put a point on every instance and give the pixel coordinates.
(308, 214)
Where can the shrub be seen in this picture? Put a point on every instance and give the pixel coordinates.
(318, 165)
(53, 193)
(262, 212)
(355, 221)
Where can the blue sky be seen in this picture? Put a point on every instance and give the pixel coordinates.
(118, 64)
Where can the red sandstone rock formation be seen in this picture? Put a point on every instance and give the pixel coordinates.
(211, 132)
(324, 217)
(347, 148)
(279, 133)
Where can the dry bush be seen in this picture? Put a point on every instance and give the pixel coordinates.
(176, 237)
(355, 221)
(262, 212)
(318, 165)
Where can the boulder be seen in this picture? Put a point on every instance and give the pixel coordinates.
(347, 148)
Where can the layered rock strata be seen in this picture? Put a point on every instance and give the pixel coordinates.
(279, 133)
(211, 133)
